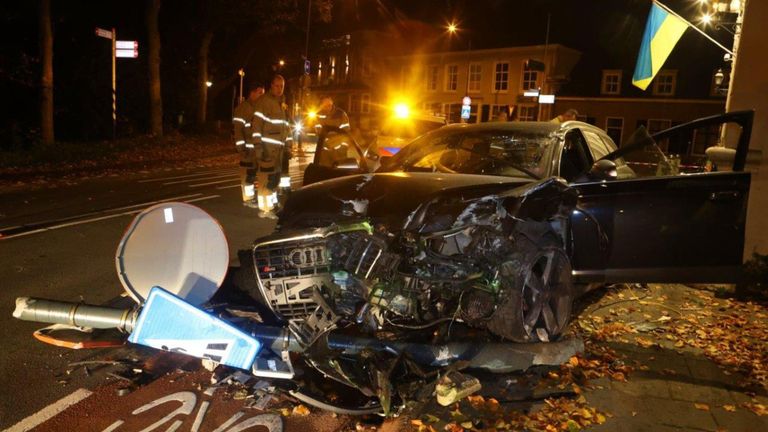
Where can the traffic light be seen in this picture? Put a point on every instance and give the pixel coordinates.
(534, 65)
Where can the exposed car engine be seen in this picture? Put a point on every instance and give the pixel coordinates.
(440, 267)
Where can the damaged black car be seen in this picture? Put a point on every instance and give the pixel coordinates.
(465, 249)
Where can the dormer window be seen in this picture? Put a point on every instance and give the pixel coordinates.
(664, 83)
(611, 82)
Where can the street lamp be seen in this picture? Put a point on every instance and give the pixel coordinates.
(281, 62)
(208, 83)
(241, 72)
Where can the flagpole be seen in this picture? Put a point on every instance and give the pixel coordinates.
(663, 6)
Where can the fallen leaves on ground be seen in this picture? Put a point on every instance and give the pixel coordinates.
(479, 413)
(74, 162)
(730, 332)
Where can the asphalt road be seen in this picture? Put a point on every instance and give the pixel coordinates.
(60, 244)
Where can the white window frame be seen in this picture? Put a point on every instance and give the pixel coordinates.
(479, 83)
(365, 103)
(604, 83)
(448, 80)
(621, 131)
(496, 78)
(433, 71)
(523, 81)
(657, 83)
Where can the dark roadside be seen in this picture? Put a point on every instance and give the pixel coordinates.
(67, 163)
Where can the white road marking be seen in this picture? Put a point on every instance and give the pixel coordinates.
(200, 174)
(50, 411)
(230, 175)
(85, 221)
(143, 205)
(213, 182)
(228, 187)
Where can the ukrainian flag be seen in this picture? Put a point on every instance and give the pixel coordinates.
(662, 31)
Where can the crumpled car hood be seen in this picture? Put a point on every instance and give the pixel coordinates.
(387, 197)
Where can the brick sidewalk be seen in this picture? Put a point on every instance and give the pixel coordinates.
(676, 386)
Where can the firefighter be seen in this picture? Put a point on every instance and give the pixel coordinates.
(331, 115)
(271, 134)
(245, 147)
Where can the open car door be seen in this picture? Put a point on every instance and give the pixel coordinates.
(336, 155)
(656, 210)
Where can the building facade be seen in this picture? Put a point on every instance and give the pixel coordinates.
(368, 85)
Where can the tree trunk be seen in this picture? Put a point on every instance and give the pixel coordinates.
(46, 78)
(202, 77)
(155, 98)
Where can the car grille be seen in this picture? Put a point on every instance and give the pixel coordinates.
(288, 272)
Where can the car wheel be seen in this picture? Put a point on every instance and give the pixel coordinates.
(536, 292)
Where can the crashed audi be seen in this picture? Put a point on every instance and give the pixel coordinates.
(466, 249)
(498, 226)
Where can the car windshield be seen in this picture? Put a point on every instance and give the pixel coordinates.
(501, 152)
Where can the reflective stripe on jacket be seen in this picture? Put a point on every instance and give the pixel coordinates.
(269, 122)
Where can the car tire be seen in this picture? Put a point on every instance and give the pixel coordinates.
(536, 292)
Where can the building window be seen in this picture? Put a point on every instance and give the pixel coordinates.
(530, 78)
(527, 113)
(614, 127)
(475, 76)
(432, 72)
(451, 77)
(611, 82)
(333, 68)
(501, 77)
(365, 103)
(705, 137)
(664, 83)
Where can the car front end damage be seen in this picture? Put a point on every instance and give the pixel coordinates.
(466, 279)
(460, 267)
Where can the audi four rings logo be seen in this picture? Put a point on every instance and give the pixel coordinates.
(308, 256)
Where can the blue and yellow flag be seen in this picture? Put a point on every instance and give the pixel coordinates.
(662, 31)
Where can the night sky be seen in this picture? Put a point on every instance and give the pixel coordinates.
(607, 32)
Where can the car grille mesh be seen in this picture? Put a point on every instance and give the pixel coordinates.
(288, 273)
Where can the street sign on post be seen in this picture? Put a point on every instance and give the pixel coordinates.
(465, 110)
(466, 100)
(103, 33)
(127, 45)
(127, 53)
(546, 99)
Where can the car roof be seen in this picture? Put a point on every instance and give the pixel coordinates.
(541, 127)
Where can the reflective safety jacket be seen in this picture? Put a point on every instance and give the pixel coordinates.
(269, 122)
(337, 118)
(242, 124)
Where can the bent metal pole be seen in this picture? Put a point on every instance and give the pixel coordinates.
(74, 314)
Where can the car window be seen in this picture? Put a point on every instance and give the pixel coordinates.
(685, 151)
(488, 152)
(336, 148)
(575, 160)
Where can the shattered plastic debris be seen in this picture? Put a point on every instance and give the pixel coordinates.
(455, 386)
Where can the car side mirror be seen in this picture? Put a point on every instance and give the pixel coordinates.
(348, 164)
(603, 169)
